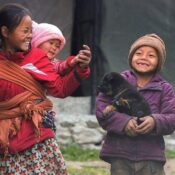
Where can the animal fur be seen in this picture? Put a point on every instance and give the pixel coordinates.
(125, 97)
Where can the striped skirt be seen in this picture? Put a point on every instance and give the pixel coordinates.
(43, 158)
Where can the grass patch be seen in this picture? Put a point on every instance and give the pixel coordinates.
(170, 154)
(88, 171)
(75, 152)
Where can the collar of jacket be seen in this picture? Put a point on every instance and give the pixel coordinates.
(18, 56)
(154, 84)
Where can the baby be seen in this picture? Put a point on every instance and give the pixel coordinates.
(50, 39)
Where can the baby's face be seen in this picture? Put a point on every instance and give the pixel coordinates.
(51, 48)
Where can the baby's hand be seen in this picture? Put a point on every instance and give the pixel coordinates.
(74, 61)
(84, 57)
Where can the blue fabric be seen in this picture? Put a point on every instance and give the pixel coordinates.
(49, 121)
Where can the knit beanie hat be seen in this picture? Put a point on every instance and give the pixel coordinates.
(151, 40)
(43, 32)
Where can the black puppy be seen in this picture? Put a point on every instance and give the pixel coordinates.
(125, 97)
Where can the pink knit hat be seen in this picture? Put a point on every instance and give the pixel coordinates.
(43, 32)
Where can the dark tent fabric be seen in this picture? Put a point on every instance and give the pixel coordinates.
(125, 21)
(109, 28)
(57, 12)
(87, 30)
(121, 22)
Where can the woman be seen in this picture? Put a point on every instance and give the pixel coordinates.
(27, 147)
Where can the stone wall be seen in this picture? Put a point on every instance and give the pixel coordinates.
(76, 125)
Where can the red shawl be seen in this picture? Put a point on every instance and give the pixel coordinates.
(21, 106)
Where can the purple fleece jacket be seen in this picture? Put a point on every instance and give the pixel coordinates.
(161, 98)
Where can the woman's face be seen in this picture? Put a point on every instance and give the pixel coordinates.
(51, 48)
(19, 39)
(145, 60)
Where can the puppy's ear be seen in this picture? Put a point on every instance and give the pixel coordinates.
(110, 77)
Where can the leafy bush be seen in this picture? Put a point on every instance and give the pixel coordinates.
(88, 171)
(170, 154)
(75, 152)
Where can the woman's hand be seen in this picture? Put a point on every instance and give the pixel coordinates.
(84, 57)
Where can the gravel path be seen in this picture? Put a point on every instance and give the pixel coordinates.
(170, 167)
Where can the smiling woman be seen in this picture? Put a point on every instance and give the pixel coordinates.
(20, 38)
(16, 30)
(25, 75)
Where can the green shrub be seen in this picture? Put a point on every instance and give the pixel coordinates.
(77, 153)
(170, 154)
(88, 171)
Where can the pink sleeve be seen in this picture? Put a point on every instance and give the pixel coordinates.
(63, 67)
(82, 73)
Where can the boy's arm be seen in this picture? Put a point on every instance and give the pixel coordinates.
(165, 121)
(115, 122)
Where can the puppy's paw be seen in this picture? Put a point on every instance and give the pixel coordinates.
(108, 109)
(124, 102)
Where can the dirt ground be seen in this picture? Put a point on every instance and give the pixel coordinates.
(169, 166)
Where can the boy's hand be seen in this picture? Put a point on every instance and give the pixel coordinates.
(147, 125)
(130, 128)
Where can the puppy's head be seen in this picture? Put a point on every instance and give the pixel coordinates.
(111, 84)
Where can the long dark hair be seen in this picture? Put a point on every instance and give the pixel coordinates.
(11, 15)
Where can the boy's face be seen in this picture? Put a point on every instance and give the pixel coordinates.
(145, 60)
(51, 48)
